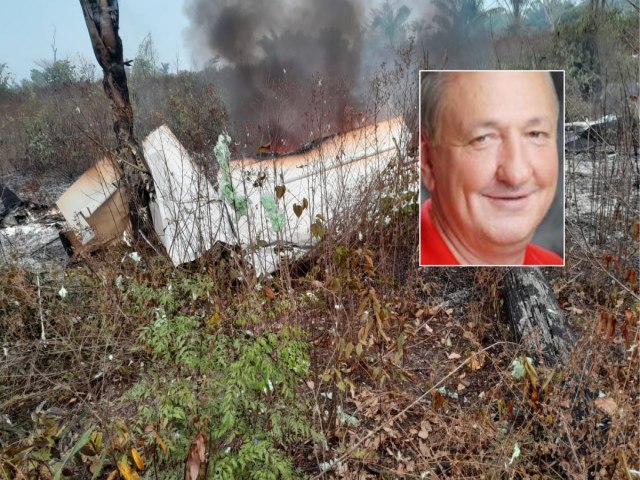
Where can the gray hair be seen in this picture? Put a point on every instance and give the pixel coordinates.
(433, 86)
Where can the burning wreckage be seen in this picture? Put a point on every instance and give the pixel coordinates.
(270, 208)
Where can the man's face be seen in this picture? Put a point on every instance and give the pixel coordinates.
(493, 167)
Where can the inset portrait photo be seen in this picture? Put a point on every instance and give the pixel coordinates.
(491, 168)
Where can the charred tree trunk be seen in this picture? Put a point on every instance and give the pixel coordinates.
(535, 315)
(102, 19)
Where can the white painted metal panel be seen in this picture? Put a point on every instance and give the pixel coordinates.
(190, 215)
(95, 188)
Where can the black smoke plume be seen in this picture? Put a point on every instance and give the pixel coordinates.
(286, 67)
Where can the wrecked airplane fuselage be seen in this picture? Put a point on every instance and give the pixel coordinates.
(265, 207)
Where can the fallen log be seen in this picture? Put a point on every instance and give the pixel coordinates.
(535, 316)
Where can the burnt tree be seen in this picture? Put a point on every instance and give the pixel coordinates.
(536, 317)
(102, 20)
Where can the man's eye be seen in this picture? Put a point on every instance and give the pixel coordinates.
(482, 140)
(538, 135)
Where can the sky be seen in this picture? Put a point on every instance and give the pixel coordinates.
(29, 26)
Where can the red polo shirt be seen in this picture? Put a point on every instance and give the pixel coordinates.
(434, 250)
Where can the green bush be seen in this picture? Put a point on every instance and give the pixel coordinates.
(237, 387)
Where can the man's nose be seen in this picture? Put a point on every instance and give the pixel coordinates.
(514, 165)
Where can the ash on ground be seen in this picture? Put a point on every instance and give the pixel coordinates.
(602, 199)
(30, 224)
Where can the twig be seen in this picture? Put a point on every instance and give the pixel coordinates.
(151, 245)
(4, 406)
(625, 465)
(42, 334)
(573, 448)
(593, 259)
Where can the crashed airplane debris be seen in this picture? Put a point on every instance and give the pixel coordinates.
(270, 208)
(29, 232)
(14, 211)
(582, 136)
(8, 200)
(95, 207)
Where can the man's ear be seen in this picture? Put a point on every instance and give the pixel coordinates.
(426, 158)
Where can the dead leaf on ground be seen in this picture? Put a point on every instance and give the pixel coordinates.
(137, 458)
(160, 442)
(607, 405)
(196, 456)
(428, 311)
(424, 449)
(268, 293)
(469, 335)
(629, 316)
(476, 363)
(454, 356)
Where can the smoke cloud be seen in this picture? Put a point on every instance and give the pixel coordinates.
(292, 71)
(287, 67)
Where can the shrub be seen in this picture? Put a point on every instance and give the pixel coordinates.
(237, 388)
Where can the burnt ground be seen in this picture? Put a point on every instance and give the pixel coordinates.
(29, 232)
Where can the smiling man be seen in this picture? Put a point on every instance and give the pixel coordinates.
(489, 158)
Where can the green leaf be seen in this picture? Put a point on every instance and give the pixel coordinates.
(43, 454)
(348, 349)
(516, 453)
(518, 369)
(276, 216)
(345, 418)
(84, 439)
(360, 454)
